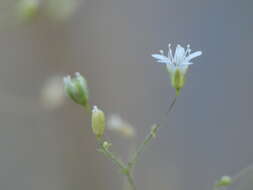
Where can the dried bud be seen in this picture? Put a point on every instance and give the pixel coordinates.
(98, 122)
(76, 88)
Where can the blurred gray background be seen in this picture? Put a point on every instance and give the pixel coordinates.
(209, 133)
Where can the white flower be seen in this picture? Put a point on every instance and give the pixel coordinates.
(178, 64)
(181, 59)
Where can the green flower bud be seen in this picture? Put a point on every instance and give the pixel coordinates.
(28, 9)
(106, 145)
(177, 80)
(76, 88)
(224, 181)
(98, 122)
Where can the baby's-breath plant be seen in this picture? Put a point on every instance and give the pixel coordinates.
(76, 88)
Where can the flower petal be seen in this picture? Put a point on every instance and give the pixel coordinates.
(186, 63)
(193, 55)
(161, 58)
(171, 68)
(179, 54)
(158, 56)
(183, 68)
(164, 61)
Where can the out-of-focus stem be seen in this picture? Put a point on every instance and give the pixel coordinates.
(242, 173)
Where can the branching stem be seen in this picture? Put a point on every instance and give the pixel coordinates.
(123, 167)
(127, 169)
(142, 146)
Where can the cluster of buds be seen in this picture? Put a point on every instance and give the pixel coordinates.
(76, 88)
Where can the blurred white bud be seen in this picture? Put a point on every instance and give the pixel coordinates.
(117, 124)
(52, 94)
(28, 9)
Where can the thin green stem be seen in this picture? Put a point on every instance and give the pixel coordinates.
(112, 157)
(88, 108)
(172, 105)
(124, 169)
(130, 181)
(142, 146)
(236, 177)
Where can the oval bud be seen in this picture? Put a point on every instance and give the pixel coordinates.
(98, 122)
(76, 88)
(224, 181)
